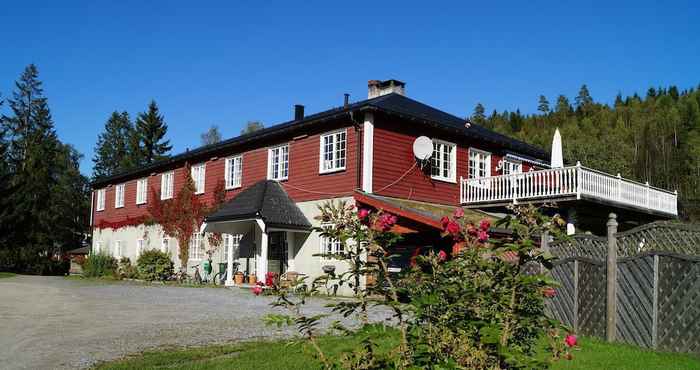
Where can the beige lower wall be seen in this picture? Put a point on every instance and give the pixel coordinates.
(305, 245)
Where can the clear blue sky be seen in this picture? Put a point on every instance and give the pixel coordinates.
(225, 63)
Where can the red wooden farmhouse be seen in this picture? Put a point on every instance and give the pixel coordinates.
(366, 153)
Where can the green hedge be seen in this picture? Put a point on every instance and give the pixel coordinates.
(100, 265)
(154, 265)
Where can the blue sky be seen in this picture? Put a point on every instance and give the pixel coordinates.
(228, 62)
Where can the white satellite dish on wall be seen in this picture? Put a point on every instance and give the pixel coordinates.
(423, 147)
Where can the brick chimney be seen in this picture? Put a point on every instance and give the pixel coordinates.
(378, 88)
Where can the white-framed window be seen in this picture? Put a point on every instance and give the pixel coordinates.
(101, 199)
(231, 242)
(511, 167)
(118, 249)
(443, 163)
(332, 152)
(330, 245)
(233, 174)
(140, 246)
(119, 196)
(196, 247)
(479, 164)
(278, 163)
(99, 247)
(198, 173)
(141, 190)
(167, 183)
(165, 245)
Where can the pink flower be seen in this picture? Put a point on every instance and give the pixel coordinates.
(442, 256)
(452, 227)
(483, 236)
(257, 290)
(444, 221)
(459, 212)
(570, 340)
(363, 213)
(386, 221)
(485, 225)
(549, 292)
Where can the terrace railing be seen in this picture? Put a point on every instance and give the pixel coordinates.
(567, 182)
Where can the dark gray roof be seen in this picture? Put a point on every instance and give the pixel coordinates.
(267, 200)
(392, 104)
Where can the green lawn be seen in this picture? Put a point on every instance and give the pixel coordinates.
(592, 354)
(6, 274)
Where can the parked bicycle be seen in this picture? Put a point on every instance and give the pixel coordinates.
(220, 277)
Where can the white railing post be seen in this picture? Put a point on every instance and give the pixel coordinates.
(647, 185)
(619, 187)
(578, 180)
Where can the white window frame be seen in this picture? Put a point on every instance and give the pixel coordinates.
(167, 185)
(511, 167)
(329, 245)
(336, 159)
(233, 240)
(196, 247)
(233, 175)
(142, 190)
(437, 161)
(119, 190)
(118, 249)
(283, 166)
(165, 244)
(475, 171)
(101, 197)
(198, 173)
(99, 247)
(140, 246)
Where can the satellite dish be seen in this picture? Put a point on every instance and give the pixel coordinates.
(423, 147)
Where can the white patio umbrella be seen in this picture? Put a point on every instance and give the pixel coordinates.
(557, 155)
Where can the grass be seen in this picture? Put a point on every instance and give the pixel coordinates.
(592, 354)
(6, 274)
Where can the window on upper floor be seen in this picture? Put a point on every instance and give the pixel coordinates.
(332, 155)
(479, 164)
(443, 163)
(511, 167)
(141, 190)
(198, 176)
(100, 206)
(196, 247)
(167, 181)
(233, 175)
(119, 196)
(278, 163)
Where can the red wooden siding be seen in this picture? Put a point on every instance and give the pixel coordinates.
(393, 156)
(304, 183)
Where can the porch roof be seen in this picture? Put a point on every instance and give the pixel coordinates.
(266, 200)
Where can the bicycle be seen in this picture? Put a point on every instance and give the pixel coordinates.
(197, 279)
(220, 277)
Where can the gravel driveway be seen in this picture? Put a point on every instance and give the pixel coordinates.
(56, 323)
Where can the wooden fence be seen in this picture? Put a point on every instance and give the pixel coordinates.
(651, 299)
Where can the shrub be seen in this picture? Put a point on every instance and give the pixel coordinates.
(100, 265)
(154, 265)
(126, 270)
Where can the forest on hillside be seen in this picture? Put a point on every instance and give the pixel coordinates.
(654, 138)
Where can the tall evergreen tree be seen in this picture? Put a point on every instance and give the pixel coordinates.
(113, 152)
(543, 105)
(583, 99)
(479, 115)
(563, 105)
(150, 130)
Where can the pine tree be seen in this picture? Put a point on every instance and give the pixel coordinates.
(563, 105)
(479, 115)
(150, 130)
(584, 99)
(212, 136)
(112, 152)
(543, 105)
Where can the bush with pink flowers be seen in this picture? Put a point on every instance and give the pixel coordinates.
(475, 309)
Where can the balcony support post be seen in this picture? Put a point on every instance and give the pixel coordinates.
(578, 180)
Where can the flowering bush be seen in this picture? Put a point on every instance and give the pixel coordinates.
(476, 308)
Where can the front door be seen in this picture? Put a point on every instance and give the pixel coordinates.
(277, 252)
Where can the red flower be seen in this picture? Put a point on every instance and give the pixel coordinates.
(485, 225)
(363, 213)
(570, 340)
(549, 292)
(459, 212)
(452, 227)
(483, 236)
(386, 221)
(442, 256)
(257, 290)
(471, 230)
(444, 221)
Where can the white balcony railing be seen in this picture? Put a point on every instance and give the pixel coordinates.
(568, 182)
